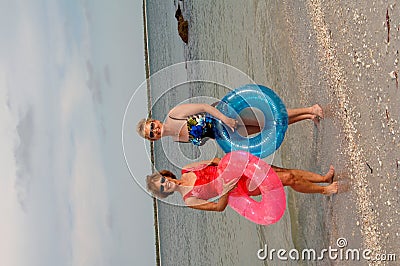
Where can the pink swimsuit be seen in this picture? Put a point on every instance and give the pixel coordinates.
(208, 186)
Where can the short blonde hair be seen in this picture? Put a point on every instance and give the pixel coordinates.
(141, 126)
(151, 187)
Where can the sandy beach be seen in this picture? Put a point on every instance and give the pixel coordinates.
(343, 56)
(349, 49)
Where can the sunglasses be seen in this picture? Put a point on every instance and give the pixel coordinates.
(162, 181)
(151, 134)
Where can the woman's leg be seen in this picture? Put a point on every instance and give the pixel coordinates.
(297, 118)
(248, 130)
(252, 122)
(252, 117)
(298, 180)
(313, 112)
(310, 176)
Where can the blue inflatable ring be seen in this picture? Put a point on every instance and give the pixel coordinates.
(275, 120)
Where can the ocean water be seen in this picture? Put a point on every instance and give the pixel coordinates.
(250, 37)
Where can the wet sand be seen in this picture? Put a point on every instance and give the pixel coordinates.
(343, 54)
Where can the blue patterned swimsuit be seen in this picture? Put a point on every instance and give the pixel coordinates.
(200, 127)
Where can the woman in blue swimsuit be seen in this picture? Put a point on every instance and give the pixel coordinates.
(194, 122)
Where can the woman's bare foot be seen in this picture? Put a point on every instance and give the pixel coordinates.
(331, 189)
(316, 109)
(317, 114)
(329, 175)
(316, 120)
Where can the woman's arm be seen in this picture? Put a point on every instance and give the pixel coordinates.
(214, 161)
(204, 205)
(185, 110)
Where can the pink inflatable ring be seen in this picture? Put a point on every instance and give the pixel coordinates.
(254, 177)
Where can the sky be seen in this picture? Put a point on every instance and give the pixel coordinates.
(67, 71)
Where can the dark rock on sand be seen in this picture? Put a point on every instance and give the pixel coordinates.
(182, 25)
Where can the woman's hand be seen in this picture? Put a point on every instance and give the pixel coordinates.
(231, 123)
(219, 206)
(227, 187)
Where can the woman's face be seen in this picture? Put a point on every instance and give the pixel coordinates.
(164, 184)
(153, 130)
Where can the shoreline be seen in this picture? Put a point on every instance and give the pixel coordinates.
(149, 104)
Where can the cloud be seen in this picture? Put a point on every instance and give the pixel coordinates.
(57, 207)
(23, 157)
(89, 203)
(53, 186)
(79, 140)
(107, 75)
(72, 90)
(8, 136)
(11, 229)
(94, 83)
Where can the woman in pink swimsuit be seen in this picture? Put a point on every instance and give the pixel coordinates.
(199, 183)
